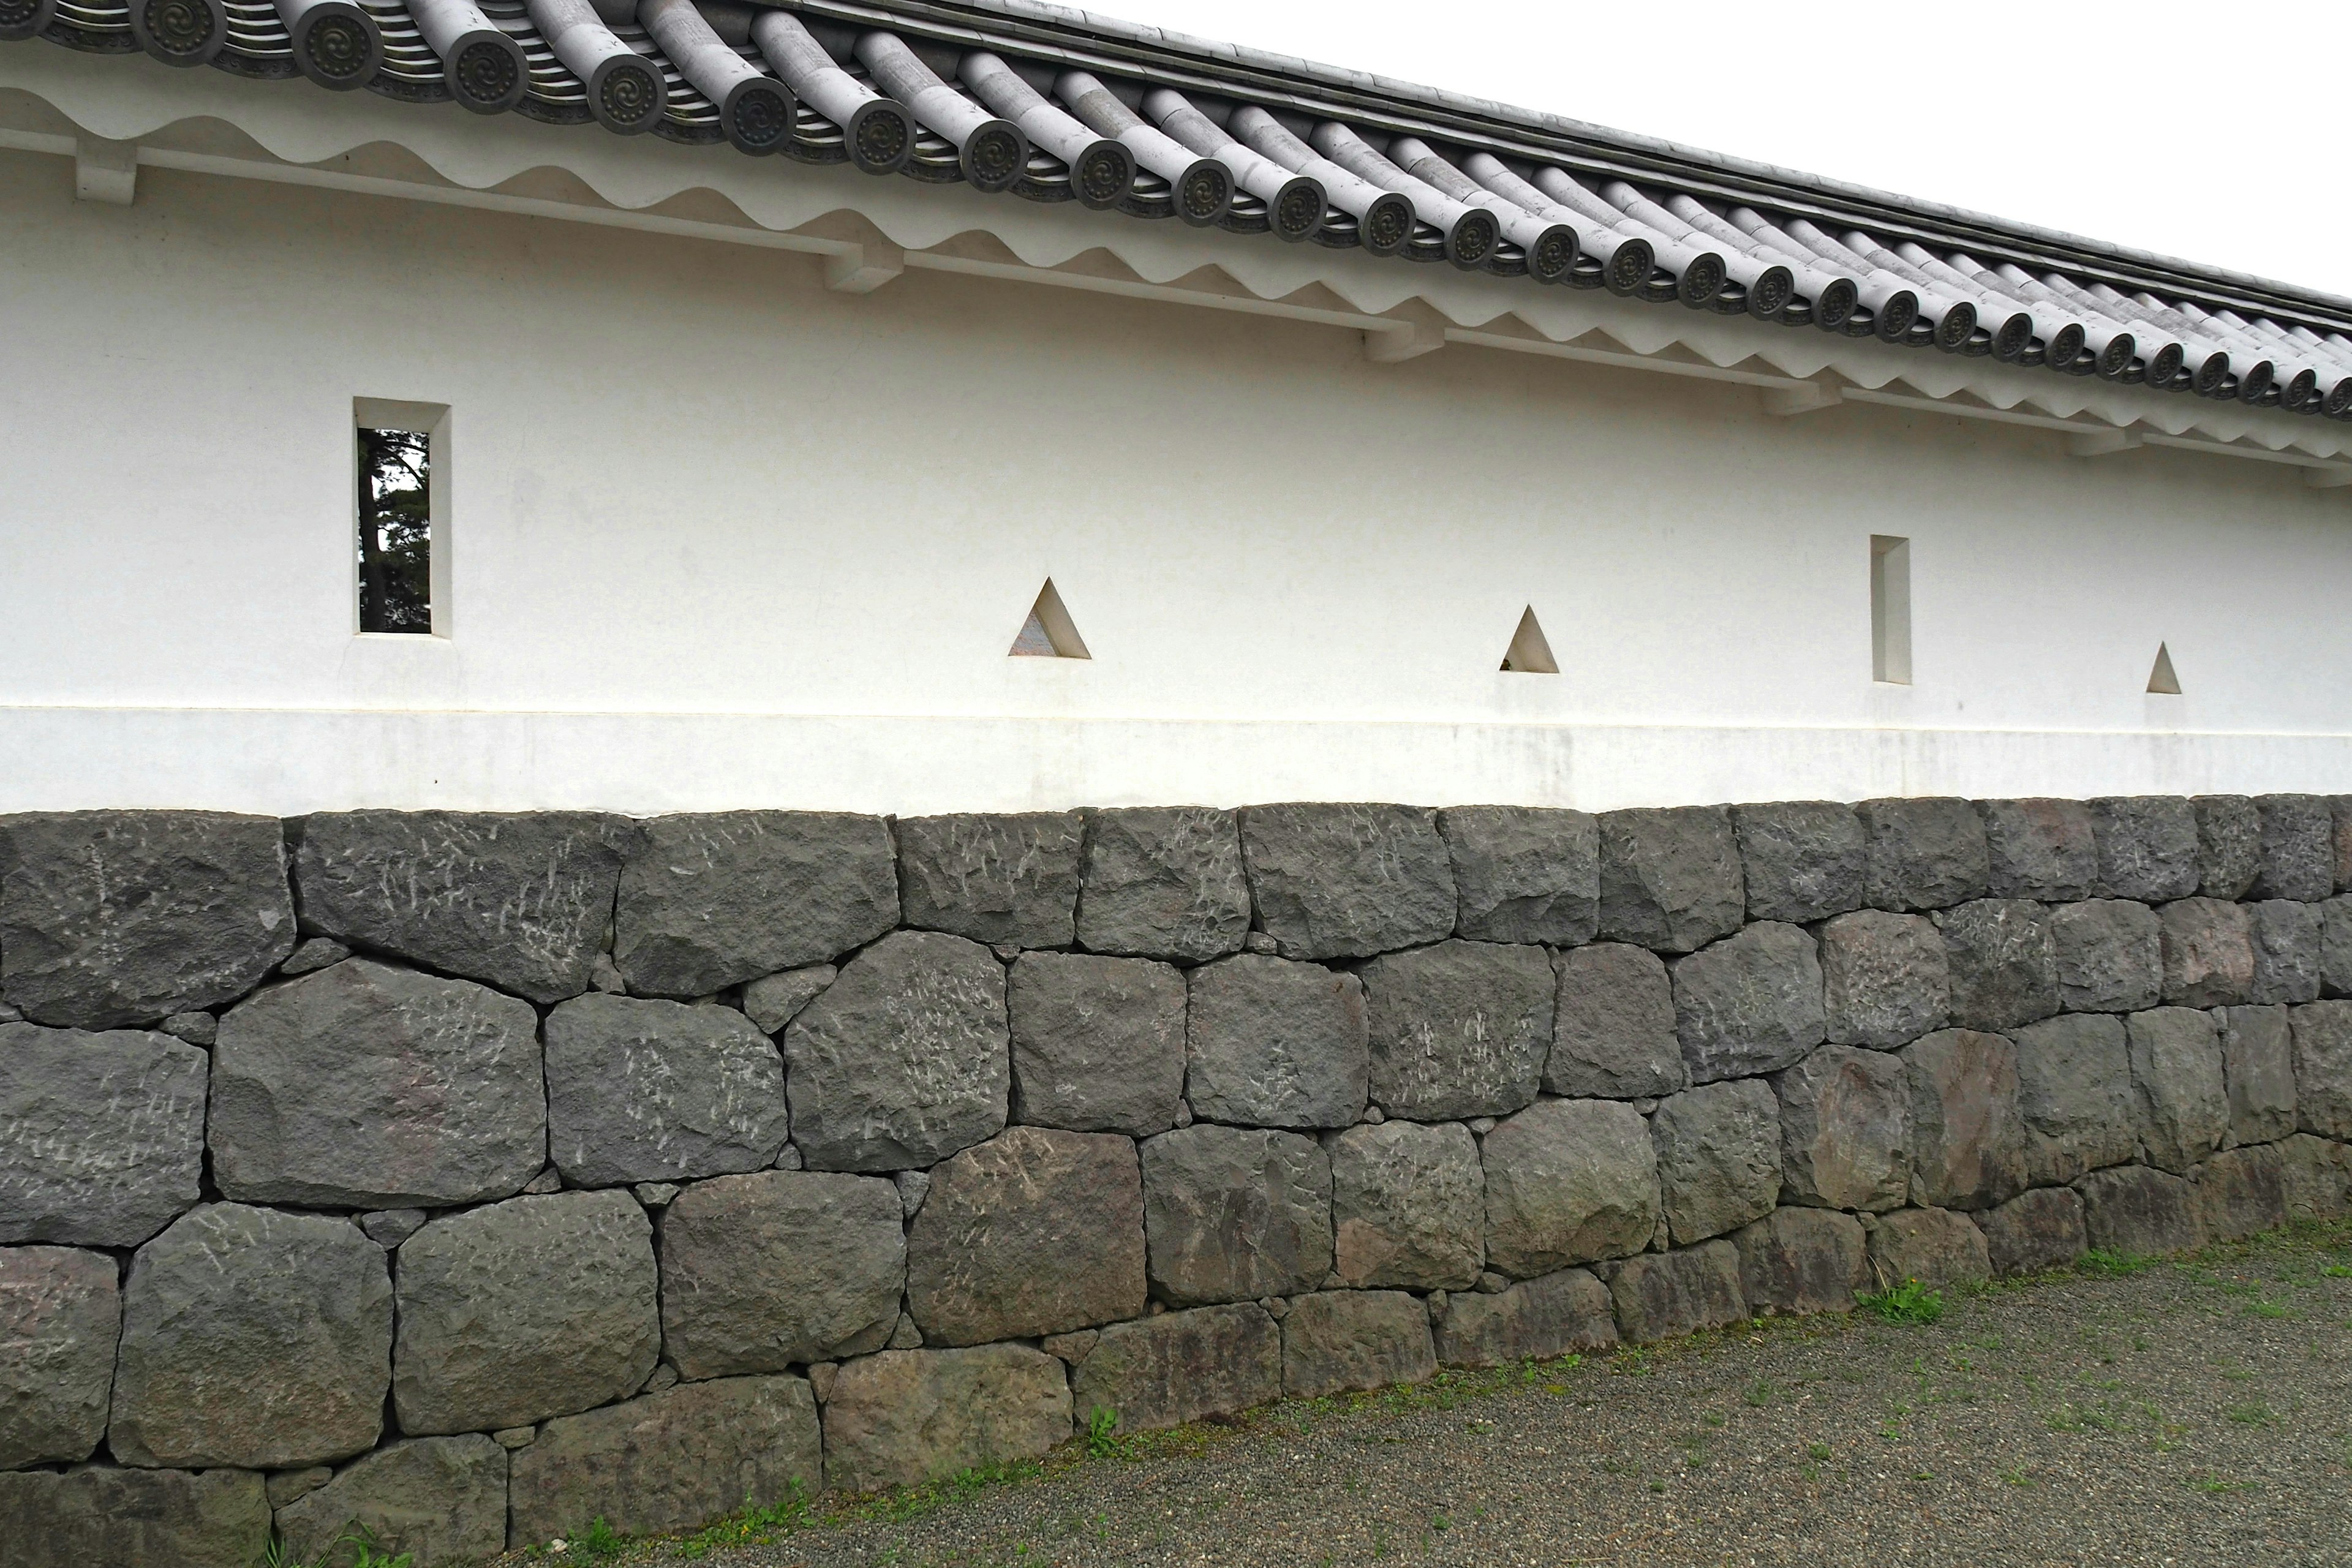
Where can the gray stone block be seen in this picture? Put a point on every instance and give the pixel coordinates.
(60, 1315)
(2074, 1091)
(2229, 845)
(105, 1134)
(779, 1268)
(133, 1519)
(363, 1086)
(659, 1091)
(2110, 956)
(1922, 853)
(436, 1499)
(2242, 1192)
(1613, 1026)
(2336, 946)
(1097, 1043)
(1408, 1206)
(1462, 1028)
(2149, 848)
(1935, 1246)
(1845, 1130)
(523, 1310)
(2181, 1104)
(1670, 878)
(1162, 1371)
(2315, 1177)
(1011, 878)
(2258, 1066)
(2298, 847)
(774, 1001)
(907, 1416)
(1750, 1004)
(1335, 1341)
(1348, 881)
(1163, 882)
(2209, 953)
(1568, 1181)
(2035, 1230)
(2341, 804)
(1886, 979)
(1801, 1261)
(1273, 1043)
(1665, 1295)
(2004, 964)
(1539, 1318)
(1801, 860)
(2043, 849)
(2140, 1212)
(1522, 874)
(1718, 1157)
(1968, 1138)
(252, 1339)
(1234, 1214)
(904, 1060)
(521, 900)
(2322, 1069)
(712, 899)
(2287, 940)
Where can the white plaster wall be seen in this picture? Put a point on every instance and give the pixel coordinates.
(719, 537)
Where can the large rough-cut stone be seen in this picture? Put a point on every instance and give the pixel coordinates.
(2074, 1090)
(2110, 956)
(2148, 846)
(1845, 1130)
(1462, 1028)
(774, 1001)
(252, 1339)
(1886, 979)
(2336, 946)
(2004, 965)
(1967, 1139)
(361, 1086)
(1273, 1043)
(2209, 953)
(709, 900)
(2035, 1230)
(1802, 860)
(2242, 1192)
(98, 1515)
(1718, 1157)
(1670, 876)
(1524, 874)
(1011, 878)
(1097, 1043)
(1234, 1214)
(438, 1500)
(531, 1308)
(1162, 1371)
(60, 1314)
(2342, 807)
(905, 1416)
(1335, 1341)
(2287, 937)
(2258, 1066)
(1613, 1025)
(1665, 1295)
(1033, 1233)
(101, 1136)
(1408, 1205)
(2139, 1211)
(2298, 847)
(1568, 1181)
(516, 899)
(1750, 1004)
(110, 918)
(1800, 1260)
(1537, 1318)
(1163, 881)
(670, 1460)
(2322, 1069)
(659, 1091)
(779, 1268)
(1922, 853)
(2229, 845)
(2180, 1102)
(1347, 881)
(2315, 1177)
(2040, 849)
(1935, 1246)
(904, 1059)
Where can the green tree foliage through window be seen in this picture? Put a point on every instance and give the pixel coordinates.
(396, 531)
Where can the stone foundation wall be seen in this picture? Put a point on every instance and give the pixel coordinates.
(474, 1176)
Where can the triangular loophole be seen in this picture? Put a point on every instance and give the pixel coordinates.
(2162, 679)
(1530, 654)
(1049, 632)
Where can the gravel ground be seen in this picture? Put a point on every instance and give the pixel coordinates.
(2196, 1412)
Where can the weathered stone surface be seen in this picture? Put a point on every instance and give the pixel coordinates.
(1524, 874)
(1886, 979)
(2042, 850)
(516, 899)
(1935, 1247)
(2149, 848)
(1670, 878)
(1613, 1025)
(2229, 845)
(2004, 964)
(1718, 1157)
(2298, 847)
(903, 1417)
(2336, 946)
(1750, 1004)
(1568, 1181)
(133, 1519)
(1010, 878)
(1163, 1371)
(1845, 1130)
(1665, 1295)
(659, 1091)
(1097, 1043)
(1273, 1043)
(252, 1339)
(2316, 1177)
(1801, 860)
(2110, 956)
(2074, 1090)
(439, 1499)
(101, 1136)
(1408, 1205)
(2209, 953)
(1234, 1214)
(1967, 1139)
(1548, 1315)
(904, 1060)
(1462, 1028)
(779, 1268)
(2242, 1192)
(2140, 1211)
(2258, 1066)
(711, 899)
(1922, 853)
(315, 953)
(2287, 938)
(774, 1001)
(670, 1460)
(527, 1308)
(2322, 1069)
(60, 1314)
(1335, 1341)
(1163, 882)
(1347, 881)
(1802, 1260)
(2035, 1230)
(110, 918)
(2181, 1103)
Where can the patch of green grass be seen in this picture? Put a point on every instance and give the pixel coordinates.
(752, 1525)
(1817, 1450)
(1103, 1441)
(2265, 1310)
(2335, 1271)
(2017, 1478)
(1909, 1302)
(2102, 1264)
(2252, 1413)
(357, 1536)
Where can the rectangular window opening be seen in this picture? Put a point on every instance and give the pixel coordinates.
(1890, 609)
(401, 452)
